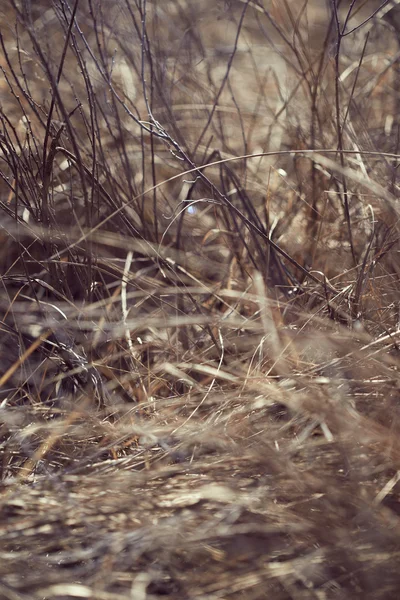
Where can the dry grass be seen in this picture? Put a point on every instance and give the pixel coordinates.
(199, 348)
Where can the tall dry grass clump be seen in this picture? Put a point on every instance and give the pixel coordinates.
(199, 351)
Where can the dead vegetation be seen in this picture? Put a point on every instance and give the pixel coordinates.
(199, 346)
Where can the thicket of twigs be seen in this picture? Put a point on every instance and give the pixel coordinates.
(199, 349)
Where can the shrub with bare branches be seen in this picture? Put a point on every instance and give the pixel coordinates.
(199, 365)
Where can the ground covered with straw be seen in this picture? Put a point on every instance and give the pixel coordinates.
(199, 299)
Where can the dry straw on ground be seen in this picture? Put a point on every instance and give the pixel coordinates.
(199, 349)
